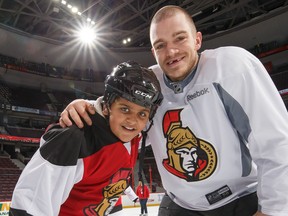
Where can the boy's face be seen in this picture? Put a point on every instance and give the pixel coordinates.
(127, 119)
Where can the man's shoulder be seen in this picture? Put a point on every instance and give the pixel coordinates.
(225, 51)
(157, 71)
(156, 68)
(231, 56)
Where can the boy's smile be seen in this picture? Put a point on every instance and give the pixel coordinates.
(126, 119)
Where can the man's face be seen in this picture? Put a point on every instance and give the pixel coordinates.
(188, 158)
(126, 119)
(175, 46)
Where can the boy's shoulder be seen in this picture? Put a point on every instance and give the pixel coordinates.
(62, 145)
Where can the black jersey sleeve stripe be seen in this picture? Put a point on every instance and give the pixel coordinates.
(62, 145)
(18, 212)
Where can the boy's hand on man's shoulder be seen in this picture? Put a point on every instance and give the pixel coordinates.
(76, 110)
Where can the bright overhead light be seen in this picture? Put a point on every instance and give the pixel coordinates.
(126, 40)
(88, 20)
(56, 10)
(63, 2)
(69, 6)
(74, 9)
(87, 35)
(79, 13)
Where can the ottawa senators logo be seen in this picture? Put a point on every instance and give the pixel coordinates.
(189, 157)
(111, 194)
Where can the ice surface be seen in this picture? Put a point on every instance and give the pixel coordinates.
(152, 211)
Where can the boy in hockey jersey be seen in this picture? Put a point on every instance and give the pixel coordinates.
(220, 139)
(85, 171)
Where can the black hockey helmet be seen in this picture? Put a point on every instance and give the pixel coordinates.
(136, 84)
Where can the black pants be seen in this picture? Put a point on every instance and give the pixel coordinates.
(143, 203)
(244, 206)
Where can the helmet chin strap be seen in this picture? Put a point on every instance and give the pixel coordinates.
(108, 110)
(142, 152)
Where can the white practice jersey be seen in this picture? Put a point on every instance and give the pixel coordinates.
(226, 121)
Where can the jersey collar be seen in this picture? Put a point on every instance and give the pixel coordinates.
(178, 87)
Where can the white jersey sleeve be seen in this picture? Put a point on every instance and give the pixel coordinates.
(130, 193)
(268, 140)
(43, 187)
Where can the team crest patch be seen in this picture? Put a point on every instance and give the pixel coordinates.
(111, 193)
(189, 157)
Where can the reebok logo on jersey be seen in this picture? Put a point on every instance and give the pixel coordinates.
(197, 94)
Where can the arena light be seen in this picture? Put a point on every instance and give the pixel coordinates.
(87, 35)
(126, 41)
(74, 9)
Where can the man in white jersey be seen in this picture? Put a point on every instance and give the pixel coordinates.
(223, 111)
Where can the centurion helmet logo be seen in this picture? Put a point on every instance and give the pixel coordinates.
(138, 92)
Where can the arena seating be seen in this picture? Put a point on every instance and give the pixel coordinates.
(4, 93)
(24, 131)
(9, 174)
